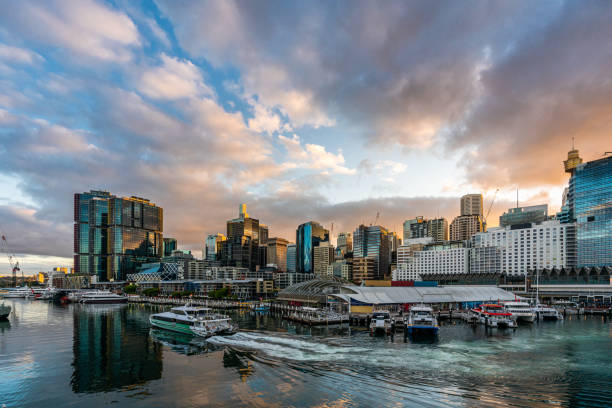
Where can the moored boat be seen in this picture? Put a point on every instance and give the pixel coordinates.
(381, 322)
(420, 320)
(544, 312)
(5, 311)
(521, 311)
(18, 292)
(494, 315)
(102, 297)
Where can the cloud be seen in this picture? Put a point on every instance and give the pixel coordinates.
(18, 55)
(85, 27)
(313, 156)
(173, 79)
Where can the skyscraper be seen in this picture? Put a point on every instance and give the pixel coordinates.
(524, 215)
(323, 257)
(170, 245)
(590, 202)
(291, 258)
(277, 253)
(113, 236)
(241, 248)
(212, 248)
(344, 243)
(307, 237)
(471, 204)
(373, 242)
(438, 229)
(415, 228)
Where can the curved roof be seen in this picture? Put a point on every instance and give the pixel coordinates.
(316, 287)
(411, 294)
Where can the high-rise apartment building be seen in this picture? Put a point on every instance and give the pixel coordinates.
(438, 229)
(364, 269)
(464, 226)
(471, 204)
(113, 235)
(308, 236)
(344, 243)
(415, 228)
(323, 257)
(212, 248)
(277, 253)
(373, 242)
(291, 258)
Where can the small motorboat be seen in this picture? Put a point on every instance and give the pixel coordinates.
(381, 322)
(5, 311)
(421, 320)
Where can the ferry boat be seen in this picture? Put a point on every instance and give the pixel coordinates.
(18, 292)
(521, 311)
(261, 307)
(381, 322)
(568, 307)
(102, 297)
(192, 320)
(494, 315)
(547, 313)
(5, 311)
(421, 320)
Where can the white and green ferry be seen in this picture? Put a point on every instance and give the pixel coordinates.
(193, 320)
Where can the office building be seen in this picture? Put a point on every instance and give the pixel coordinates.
(464, 226)
(113, 235)
(291, 258)
(406, 251)
(170, 245)
(420, 227)
(212, 247)
(372, 242)
(364, 269)
(323, 257)
(590, 202)
(344, 243)
(471, 204)
(341, 269)
(277, 253)
(241, 247)
(527, 247)
(263, 234)
(524, 215)
(308, 236)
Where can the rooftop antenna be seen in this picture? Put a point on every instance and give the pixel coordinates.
(517, 197)
(572, 142)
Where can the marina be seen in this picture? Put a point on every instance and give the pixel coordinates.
(48, 352)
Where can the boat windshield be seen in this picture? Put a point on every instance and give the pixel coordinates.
(380, 316)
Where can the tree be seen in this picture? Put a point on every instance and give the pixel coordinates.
(130, 289)
(151, 292)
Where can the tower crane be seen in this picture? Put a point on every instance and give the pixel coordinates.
(12, 259)
(377, 218)
(491, 206)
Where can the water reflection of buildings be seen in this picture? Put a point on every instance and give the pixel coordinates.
(239, 360)
(113, 349)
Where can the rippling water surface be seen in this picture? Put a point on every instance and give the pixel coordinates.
(99, 355)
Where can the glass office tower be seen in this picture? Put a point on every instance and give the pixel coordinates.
(307, 237)
(112, 235)
(373, 242)
(590, 200)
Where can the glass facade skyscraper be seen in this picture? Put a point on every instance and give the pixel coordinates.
(590, 202)
(113, 236)
(241, 248)
(373, 242)
(307, 237)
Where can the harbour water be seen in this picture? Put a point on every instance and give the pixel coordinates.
(97, 355)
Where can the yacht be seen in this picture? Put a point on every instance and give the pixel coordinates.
(421, 320)
(547, 313)
(521, 311)
(102, 297)
(192, 320)
(18, 292)
(5, 311)
(568, 307)
(381, 322)
(494, 315)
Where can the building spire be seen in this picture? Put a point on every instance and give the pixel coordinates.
(573, 159)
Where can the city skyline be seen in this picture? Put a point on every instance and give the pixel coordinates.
(308, 128)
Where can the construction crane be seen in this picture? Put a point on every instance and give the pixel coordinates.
(376, 219)
(12, 258)
(491, 206)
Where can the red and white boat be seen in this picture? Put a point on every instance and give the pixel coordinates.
(494, 315)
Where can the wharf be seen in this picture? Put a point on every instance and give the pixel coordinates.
(213, 304)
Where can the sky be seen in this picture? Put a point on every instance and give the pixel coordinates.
(318, 110)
